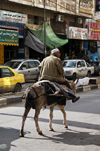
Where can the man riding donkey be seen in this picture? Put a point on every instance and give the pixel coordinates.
(51, 69)
(41, 95)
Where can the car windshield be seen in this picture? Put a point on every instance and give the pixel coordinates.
(12, 64)
(71, 64)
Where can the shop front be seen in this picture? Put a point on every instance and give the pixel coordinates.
(12, 22)
(76, 37)
(93, 43)
(9, 38)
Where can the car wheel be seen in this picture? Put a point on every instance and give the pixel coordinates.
(17, 88)
(89, 74)
(74, 76)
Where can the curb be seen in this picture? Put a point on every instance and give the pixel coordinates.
(88, 88)
(13, 98)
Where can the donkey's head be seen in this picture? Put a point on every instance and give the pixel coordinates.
(73, 85)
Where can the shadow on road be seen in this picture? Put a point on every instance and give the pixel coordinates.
(71, 138)
(8, 136)
(76, 138)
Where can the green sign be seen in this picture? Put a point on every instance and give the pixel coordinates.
(9, 37)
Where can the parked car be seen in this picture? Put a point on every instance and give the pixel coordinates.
(10, 80)
(77, 68)
(96, 65)
(28, 67)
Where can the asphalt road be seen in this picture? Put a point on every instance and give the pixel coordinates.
(83, 134)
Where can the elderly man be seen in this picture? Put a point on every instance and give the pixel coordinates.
(51, 69)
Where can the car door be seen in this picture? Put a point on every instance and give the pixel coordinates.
(24, 69)
(79, 69)
(33, 65)
(84, 69)
(7, 80)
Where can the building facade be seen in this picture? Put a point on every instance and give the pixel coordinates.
(60, 14)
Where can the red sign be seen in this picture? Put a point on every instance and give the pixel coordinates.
(93, 31)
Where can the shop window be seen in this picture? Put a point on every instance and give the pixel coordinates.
(36, 20)
(93, 46)
(30, 19)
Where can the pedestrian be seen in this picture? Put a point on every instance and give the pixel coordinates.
(51, 69)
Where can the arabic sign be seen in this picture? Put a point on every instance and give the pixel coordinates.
(93, 31)
(9, 37)
(19, 26)
(86, 6)
(13, 17)
(76, 33)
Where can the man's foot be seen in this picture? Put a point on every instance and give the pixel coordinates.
(75, 99)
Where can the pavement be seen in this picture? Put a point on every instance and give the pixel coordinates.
(11, 98)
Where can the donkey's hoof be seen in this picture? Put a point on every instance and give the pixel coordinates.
(66, 126)
(40, 133)
(21, 135)
(51, 129)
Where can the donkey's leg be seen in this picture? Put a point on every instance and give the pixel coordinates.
(51, 117)
(37, 112)
(23, 121)
(61, 107)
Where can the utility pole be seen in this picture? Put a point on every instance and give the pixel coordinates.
(45, 31)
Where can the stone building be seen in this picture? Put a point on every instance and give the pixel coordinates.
(62, 15)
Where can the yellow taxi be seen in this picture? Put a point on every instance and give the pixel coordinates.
(10, 80)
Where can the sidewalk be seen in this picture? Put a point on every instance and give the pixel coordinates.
(10, 98)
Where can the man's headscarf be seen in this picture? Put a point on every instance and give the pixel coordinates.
(54, 50)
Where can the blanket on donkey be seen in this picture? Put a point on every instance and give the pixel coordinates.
(55, 93)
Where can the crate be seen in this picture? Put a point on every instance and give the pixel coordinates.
(94, 81)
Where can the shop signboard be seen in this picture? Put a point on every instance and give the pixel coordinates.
(14, 25)
(86, 6)
(76, 33)
(8, 37)
(93, 31)
(13, 17)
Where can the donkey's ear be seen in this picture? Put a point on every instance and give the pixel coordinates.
(76, 81)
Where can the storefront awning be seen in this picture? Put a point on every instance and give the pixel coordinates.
(52, 41)
(33, 42)
(9, 37)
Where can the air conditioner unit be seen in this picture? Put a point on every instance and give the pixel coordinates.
(60, 18)
(79, 21)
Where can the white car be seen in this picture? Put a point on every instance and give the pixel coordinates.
(77, 68)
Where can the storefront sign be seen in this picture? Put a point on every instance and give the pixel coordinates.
(8, 37)
(13, 17)
(93, 31)
(86, 6)
(19, 26)
(76, 33)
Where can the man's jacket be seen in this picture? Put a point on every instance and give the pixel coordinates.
(51, 69)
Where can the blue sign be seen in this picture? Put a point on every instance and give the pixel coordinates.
(19, 26)
(85, 45)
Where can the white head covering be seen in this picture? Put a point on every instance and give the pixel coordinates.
(54, 50)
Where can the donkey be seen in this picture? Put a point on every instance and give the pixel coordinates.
(35, 97)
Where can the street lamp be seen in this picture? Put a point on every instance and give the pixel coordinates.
(45, 31)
